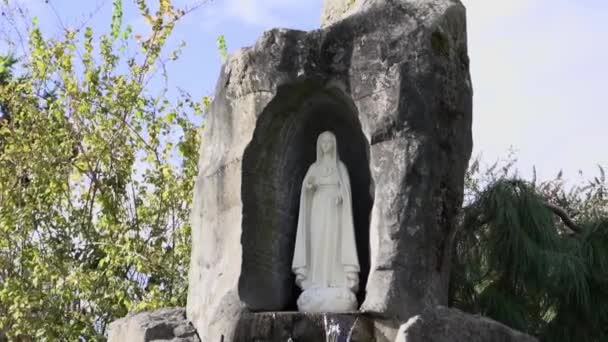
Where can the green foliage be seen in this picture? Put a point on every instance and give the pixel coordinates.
(222, 47)
(6, 65)
(517, 262)
(96, 177)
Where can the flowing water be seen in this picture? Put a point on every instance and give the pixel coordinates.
(332, 330)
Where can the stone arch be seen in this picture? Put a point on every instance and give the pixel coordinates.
(274, 164)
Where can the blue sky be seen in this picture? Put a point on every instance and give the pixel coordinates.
(539, 67)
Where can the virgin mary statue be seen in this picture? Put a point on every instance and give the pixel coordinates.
(325, 260)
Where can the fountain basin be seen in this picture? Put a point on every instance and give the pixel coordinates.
(305, 327)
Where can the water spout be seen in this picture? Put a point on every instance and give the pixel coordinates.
(332, 330)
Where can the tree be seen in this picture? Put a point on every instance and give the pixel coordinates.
(96, 176)
(534, 255)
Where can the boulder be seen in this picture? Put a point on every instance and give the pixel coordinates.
(167, 324)
(392, 82)
(443, 324)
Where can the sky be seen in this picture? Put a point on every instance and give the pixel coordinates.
(539, 67)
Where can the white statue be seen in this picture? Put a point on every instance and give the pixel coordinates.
(325, 259)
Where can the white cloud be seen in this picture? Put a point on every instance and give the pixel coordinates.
(256, 13)
(539, 71)
(264, 14)
(487, 12)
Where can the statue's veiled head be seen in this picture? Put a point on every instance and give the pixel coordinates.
(327, 146)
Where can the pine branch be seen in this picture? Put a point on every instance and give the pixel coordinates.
(566, 219)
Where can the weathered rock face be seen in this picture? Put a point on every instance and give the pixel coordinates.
(168, 324)
(441, 324)
(335, 10)
(392, 83)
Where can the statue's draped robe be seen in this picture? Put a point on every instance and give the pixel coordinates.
(325, 241)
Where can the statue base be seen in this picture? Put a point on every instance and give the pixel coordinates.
(333, 299)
